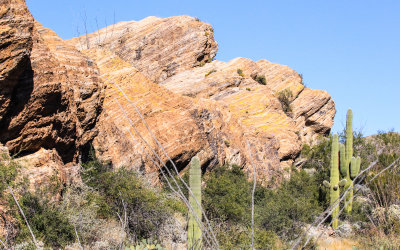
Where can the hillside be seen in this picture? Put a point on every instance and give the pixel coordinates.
(98, 134)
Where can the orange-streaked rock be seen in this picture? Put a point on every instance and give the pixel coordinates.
(16, 24)
(157, 47)
(56, 100)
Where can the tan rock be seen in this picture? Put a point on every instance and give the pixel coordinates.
(157, 47)
(57, 96)
(217, 102)
(43, 168)
(256, 105)
(193, 105)
(313, 112)
(16, 24)
(184, 126)
(168, 116)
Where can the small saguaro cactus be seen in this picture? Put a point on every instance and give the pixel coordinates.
(349, 166)
(334, 183)
(194, 232)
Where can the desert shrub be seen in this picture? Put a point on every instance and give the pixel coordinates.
(286, 209)
(80, 204)
(145, 244)
(318, 157)
(279, 213)
(284, 98)
(238, 237)
(302, 80)
(48, 224)
(168, 189)
(385, 188)
(260, 79)
(8, 173)
(389, 138)
(372, 238)
(227, 195)
(240, 72)
(124, 194)
(210, 72)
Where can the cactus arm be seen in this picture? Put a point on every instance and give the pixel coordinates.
(353, 168)
(349, 136)
(326, 184)
(358, 165)
(342, 158)
(342, 183)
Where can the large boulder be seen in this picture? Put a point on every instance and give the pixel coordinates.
(226, 112)
(157, 47)
(50, 94)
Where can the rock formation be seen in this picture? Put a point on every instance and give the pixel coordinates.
(15, 44)
(157, 47)
(202, 106)
(225, 112)
(50, 95)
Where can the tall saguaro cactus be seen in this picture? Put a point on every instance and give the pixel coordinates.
(194, 231)
(334, 183)
(349, 166)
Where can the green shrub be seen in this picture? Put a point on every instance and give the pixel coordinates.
(238, 237)
(48, 224)
(284, 98)
(385, 188)
(227, 195)
(123, 193)
(240, 72)
(260, 79)
(8, 173)
(210, 72)
(390, 138)
(286, 209)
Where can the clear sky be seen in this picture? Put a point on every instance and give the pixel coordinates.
(349, 48)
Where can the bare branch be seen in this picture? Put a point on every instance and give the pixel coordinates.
(252, 194)
(23, 215)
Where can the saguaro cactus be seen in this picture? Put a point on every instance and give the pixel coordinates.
(334, 183)
(349, 166)
(194, 231)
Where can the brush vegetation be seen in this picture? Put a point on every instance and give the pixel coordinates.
(114, 208)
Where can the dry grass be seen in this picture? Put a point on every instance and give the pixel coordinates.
(336, 244)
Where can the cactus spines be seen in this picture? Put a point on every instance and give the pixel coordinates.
(334, 179)
(194, 231)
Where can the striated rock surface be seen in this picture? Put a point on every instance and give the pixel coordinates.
(226, 112)
(205, 107)
(16, 24)
(184, 126)
(167, 115)
(157, 47)
(257, 104)
(55, 98)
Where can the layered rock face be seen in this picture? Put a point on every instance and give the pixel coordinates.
(50, 95)
(225, 112)
(16, 24)
(220, 111)
(311, 113)
(157, 47)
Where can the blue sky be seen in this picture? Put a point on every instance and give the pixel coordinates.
(349, 48)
